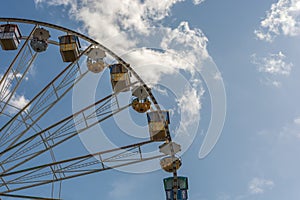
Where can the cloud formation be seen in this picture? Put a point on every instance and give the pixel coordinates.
(17, 101)
(196, 2)
(273, 67)
(274, 64)
(281, 19)
(260, 185)
(290, 131)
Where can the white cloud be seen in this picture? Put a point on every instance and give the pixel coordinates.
(297, 120)
(55, 2)
(197, 2)
(274, 66)
(274, 83)
(17, 101)
(260, 185)
(189, 113)
(256, 186)
(190, 44)
(281, 19)
(151, 64)
(290, 131)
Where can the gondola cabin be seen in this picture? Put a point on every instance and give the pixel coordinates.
(69, 47)
(95, 62)
(168, 163)
(39, 41)
(182, 188)
(9, 36)
(119, 77)
(140, 102)
(181, 195)
(141, 106)
(156, 125)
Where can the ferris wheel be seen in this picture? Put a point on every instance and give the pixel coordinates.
(33, 131)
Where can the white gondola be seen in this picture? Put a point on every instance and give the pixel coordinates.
(39, 41)
(95, 62)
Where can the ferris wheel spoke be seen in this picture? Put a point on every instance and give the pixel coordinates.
(88, 117)
(60, 132)
(77, 166)
(33, 151)
(16, 72)
(52, 156)
(42, 102)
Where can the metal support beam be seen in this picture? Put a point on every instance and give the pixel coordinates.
(75, 167)
(16, 72)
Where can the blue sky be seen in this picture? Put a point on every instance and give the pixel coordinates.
(254, 46)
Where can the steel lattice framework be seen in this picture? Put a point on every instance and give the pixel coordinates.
(23, 139)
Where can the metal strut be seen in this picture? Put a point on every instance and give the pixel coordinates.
(16, 72)
(78, 166)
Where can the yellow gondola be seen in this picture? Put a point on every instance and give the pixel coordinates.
(69, 47)
(141, 106)
(119, 78)
(156, 125)
(167, 163)
(141, 102)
